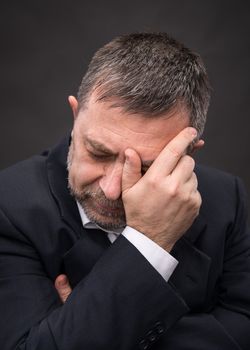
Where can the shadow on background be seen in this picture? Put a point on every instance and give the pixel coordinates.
(46, 47)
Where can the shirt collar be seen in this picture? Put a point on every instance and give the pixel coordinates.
(90, 225)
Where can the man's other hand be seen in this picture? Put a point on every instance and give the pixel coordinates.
(164, 202)
(63, 287)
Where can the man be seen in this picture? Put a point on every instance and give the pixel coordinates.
(114, 239)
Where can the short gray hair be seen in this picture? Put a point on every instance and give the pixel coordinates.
(150, 74)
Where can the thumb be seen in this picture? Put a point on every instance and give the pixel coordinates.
(131, 170)
(63, 287)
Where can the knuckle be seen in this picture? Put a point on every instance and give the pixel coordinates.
(173, 189)
(154, 181)
(186, 198)
(197, 212)
(195, 183)
(197, 202)
(195, 178)
(151, 182)
(189, 161)
(175, 152)
(193, 200)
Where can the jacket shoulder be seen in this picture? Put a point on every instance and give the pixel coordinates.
(23, 179)
(221, 192)
(25, 194)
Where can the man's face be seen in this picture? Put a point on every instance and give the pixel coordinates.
(101, 134)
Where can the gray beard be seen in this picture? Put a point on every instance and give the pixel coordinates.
(87, 198)
(112, 219)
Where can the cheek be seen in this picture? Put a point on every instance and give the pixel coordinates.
(83, 172)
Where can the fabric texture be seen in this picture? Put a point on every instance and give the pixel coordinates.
(161, 260)
(119, 301)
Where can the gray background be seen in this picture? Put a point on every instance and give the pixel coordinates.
(46, 46)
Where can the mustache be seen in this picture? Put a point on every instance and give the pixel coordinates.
(99, 196)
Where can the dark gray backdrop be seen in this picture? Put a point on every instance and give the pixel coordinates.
(46, 45)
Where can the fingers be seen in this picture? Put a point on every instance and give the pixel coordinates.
(63, 287)
(131, 170)
(174, 150)
(184, 169)
(196, 146)
(182, 183)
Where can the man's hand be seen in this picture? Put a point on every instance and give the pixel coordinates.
(63, 287)
(164, 202)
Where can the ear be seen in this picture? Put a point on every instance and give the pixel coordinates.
(73, 105)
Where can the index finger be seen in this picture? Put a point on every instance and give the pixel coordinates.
(173, 151)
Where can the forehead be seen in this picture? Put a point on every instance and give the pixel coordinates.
(112, 126)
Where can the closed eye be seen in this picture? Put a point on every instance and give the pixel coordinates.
(98, 156)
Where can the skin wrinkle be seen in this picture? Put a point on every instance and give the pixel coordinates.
(126, 137)
(96, 183)
(113, 153)
(99, 147)
(134, 135)
(137, 132)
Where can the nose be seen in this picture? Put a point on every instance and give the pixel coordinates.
(111, 181)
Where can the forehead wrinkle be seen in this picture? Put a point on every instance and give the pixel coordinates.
(126, 129)
(146, 134)
(101, 146)
(144, 142)
(124, 136)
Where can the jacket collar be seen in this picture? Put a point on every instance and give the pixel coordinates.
(58, 182)
(198, 227)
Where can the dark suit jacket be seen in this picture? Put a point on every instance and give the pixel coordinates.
(119, 300)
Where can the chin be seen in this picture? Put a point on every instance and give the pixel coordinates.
(106, 220)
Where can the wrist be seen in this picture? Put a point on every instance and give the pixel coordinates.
(158, 238)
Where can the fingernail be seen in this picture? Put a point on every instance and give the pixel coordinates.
(62, 282)
(127, 158)
(193, 132)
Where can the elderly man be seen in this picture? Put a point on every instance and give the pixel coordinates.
(114, 239)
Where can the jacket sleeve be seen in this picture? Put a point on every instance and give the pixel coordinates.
(226, 324)
(123, 303)
(116, 306)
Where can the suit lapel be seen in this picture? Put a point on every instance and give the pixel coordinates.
(198, 227)
(191, 275)
(58, 181)
(88, 248)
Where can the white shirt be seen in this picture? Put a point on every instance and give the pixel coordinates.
(161, 260)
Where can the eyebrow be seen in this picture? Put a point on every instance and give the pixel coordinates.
(100, 146)
(103, 148)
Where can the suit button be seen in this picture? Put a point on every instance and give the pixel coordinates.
(152, 336)
(144, 344)
(159, 327)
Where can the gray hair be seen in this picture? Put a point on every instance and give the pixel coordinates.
(150, 74)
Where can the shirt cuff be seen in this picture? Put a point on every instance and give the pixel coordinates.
(159, 258)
